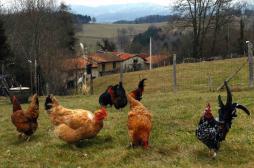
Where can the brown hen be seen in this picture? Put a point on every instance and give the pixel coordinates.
(74, 125)
(139, 123)
(25, 121)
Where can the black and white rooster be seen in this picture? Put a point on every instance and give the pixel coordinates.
(211, 131)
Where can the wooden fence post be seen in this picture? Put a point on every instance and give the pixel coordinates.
(121, 72)
(210, 82)
(174, 72)
(250, 60)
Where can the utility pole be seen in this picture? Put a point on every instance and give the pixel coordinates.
(150, 53)
(250, 60)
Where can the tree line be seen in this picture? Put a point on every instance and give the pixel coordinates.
(83, 19)
(150, 19)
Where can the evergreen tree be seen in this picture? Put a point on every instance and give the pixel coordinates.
(5, 52)
(67, 28)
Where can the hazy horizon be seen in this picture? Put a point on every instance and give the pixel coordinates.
(97, 3)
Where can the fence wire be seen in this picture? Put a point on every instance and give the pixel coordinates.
(209, 75)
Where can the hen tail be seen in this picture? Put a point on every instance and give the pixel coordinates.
(34, 105)
(68, 134)
(16, 104)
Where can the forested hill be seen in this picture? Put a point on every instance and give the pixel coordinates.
(149, 19)
(81, 19)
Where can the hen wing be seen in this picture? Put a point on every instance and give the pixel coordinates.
(21, 122)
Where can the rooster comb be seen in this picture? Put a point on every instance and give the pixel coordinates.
(208, 108)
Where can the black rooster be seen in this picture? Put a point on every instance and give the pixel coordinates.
(210, 131)
(114, 95)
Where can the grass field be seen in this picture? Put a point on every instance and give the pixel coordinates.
(91, 33)
(175, 117)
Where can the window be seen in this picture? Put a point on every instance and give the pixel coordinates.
(135, 61)
(114, 65)
(103, 67)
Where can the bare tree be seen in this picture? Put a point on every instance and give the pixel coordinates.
(39, 31)
(222, 17)
(200, 14)
(123, 39)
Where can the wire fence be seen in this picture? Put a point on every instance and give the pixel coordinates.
(210, 75)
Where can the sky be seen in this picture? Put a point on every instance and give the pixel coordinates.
(110, 2)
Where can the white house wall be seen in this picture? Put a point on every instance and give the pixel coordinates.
(127, 64)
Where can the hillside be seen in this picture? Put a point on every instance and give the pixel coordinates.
(91, 33)
(175, 116)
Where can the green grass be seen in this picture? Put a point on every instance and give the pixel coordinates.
(91, 33)
(175, 117)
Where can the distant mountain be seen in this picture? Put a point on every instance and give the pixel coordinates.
(112, 13)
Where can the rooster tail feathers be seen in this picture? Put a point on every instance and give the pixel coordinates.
(239, 106)
(229, 94)
(16, 104)
(221, 104)
(121, 84)
(141, 84)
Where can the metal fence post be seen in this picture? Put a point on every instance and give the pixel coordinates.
(174, 72)
(250, 60)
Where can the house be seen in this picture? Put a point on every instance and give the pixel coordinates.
(158, 60)
(131, 62)
(142, 55)
(108, 63)
(74, 68)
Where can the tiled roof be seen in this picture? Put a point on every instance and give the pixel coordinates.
(125, 56)
(156, 59)
(105, 57)
(142, 55)
(76, 63)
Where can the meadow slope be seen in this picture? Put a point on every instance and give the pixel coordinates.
(91, 33)
(175, 117)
